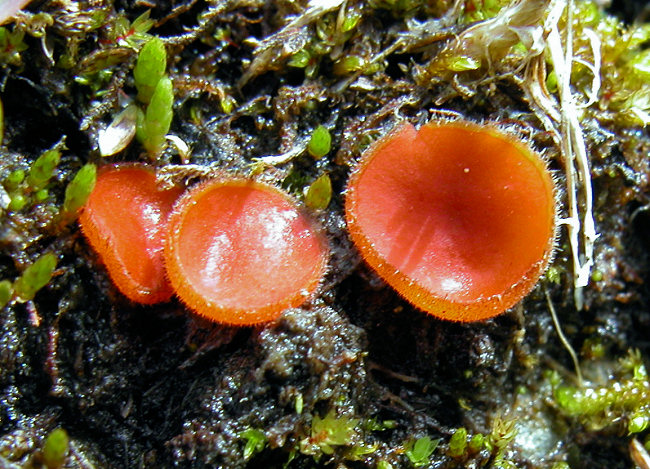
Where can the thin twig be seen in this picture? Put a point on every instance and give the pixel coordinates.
(562, 337)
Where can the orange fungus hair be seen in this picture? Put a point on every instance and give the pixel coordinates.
(124, 220)
(458, 217)
(240, 252)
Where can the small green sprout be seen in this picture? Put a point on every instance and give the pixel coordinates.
(11, 45)
(419, 452)
(359, 452)
(55, 448)
(463, 63)
(328, 432)
(255, 442)
(477, 443)
(319, 193)
(300, 59)
(320, 142)
(132, 35)
(41, 195)
(79, 189)
(150, 68)
(299, 404)
(14, 179)
(351, 21)
(458, 443)
(155, 122)
(374, 425)
(384, 465)
(18, 202)
(638, 423)
(42, 170)
(35, 277)
(348, 65)
(6, 292)
(227, 103)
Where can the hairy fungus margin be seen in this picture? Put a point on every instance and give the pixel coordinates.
(458, 217)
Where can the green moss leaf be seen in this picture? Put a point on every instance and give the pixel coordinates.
(6, 292)
(43, 168)
(458, 443)
(150, 68)
(157, 118)
(35, 277)
(255, 441)
(55, 448)
(320, 142)
(420, 452)
(79, 189)
(319, 193)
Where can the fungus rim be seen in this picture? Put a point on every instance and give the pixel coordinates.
(104, 248)
(484, 307)
(207, 308)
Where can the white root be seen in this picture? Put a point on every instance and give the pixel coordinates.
(562, 120)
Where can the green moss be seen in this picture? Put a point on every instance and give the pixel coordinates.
(6, 292)
(150, 68)
(154, 124)
(42, 170)
(79, 189)
(419, 451)
(55, 448)
(458, 443)
(35, 277)
(320, 142)
(329, 432)
(625, 399)
(255, 442)
(319, 193)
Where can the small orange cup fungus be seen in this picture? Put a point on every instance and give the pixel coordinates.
(240, 252)
(458, 218)
(125, 221)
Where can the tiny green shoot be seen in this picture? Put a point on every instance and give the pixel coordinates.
(319, 193)
(42, 170)
(35, 277)
(150, 68)
(255, 442)
(55, 448)
(419, 453)
(156, 121)
(6, 292)
(320, 142)
(458, 443)
(79, 189)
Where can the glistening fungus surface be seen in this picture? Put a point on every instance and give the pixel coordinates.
(239, 252)
(458, 217)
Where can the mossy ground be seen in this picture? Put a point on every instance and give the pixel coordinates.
(157, 387)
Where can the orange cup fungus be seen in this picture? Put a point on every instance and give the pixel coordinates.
(458, 218)
(240, 252)
(125, 221)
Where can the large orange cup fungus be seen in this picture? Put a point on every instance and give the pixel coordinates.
(458, 218)
(240, 252)
(125, 221)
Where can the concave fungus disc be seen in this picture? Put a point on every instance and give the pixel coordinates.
(240, 252)
(125, 221)
(458, 218)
